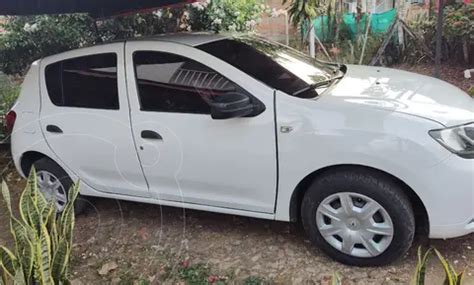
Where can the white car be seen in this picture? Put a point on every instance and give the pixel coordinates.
(362, 156)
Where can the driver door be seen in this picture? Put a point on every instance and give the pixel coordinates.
(186, 155)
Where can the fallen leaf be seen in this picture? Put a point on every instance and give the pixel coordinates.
(107, 267)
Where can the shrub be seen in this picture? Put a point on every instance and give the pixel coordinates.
(458, 34)
(9, 91)
(226, 15)
(350, 51)
(43, 241)
(29, 38)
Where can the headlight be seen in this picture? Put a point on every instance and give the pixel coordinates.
(458, 139)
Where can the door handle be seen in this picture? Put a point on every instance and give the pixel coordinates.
(54, 129)
(151, 135)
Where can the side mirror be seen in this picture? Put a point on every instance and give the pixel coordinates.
(231, 105)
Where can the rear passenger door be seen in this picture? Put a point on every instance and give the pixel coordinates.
(85, 118)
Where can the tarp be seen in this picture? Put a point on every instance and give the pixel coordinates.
(97, 8)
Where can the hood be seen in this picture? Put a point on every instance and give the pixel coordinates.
(405, 92)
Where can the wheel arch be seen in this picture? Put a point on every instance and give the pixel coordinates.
(421, 214)
(28, 159)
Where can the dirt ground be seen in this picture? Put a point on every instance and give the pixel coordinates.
(129, 242)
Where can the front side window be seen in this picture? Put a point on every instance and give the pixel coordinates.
(84, 82)
(276, 65)
(172, 83)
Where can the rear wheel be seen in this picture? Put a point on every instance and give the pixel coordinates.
(54, 183)
(358, 217)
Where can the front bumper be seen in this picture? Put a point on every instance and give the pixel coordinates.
(448, 195)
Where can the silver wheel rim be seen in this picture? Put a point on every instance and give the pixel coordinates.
(355, 224)
(52, 188)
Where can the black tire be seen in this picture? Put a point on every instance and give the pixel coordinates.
(47, 164)
(375, 185)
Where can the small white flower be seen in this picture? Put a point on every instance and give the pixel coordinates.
(199, 5)
(251, 24)
(217, 21)
(30, 28)
(186, 14)
(158, 14)
(170, 15)
(26, 27)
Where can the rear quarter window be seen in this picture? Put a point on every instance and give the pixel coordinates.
(84, 82)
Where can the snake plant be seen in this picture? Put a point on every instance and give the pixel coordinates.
(43, 238)
(452, 277)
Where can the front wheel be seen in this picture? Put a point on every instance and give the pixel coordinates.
(358, 217)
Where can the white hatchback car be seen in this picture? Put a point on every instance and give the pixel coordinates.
(362, 156)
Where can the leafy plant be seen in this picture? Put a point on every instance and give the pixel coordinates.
(225, 15)
(471, 91)
(27, 39)
(9, 91)
(253, 280)
(458, 34)
(302, 10)
(420, 270)
(194, 274)
(336, 279)
(452, 277)
(43, 240)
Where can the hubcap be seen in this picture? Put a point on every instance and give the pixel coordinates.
(354, 224)
(52, 188)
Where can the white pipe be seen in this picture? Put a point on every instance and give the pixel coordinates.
(312, 40)
(287, 29)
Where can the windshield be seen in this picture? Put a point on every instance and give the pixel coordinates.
(276, 65)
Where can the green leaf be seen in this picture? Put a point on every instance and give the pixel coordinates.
(67, 220)
(43, 205)
(460, 278)
(60, 261)
(336, 279)
(52, 228)
(28, 260)
(24, 205)
(19, 278)
(451, 276)
(8, 261)
(3, 276)
(420, 270)
(43, 257)
(6, 197)
(21, 233)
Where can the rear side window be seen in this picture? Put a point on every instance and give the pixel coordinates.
(172, 83)
(84, 82)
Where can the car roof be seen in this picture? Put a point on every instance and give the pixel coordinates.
(190, 39)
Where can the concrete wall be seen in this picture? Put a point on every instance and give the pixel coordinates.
(275, 27)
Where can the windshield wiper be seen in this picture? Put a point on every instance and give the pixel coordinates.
(318, 84)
